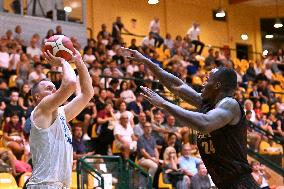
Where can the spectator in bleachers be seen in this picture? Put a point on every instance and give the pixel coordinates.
(138, 128)
(188, 163)
(260, 174)
(122, 111)
(18, 37)
(133, 45)
(126, 93)
(4, 61)
(49, 33)
(201, 180)
(124, 136)
(118, 57)
(257, 110)
(148, 155)
(254, 93)
(155, 30)
(89, 57)
(117, 27)
(137, 106)
(23, 69)
(8, 39)
(140, 74)
(248, 105)
(168, 43)
(100, 102)
(172, 173)
(58, 30)
(91, 44)
(278, 128)
(13, 135)
(194, 35)
(14, 166)
(75, 43)
(112, 70)
(171, 126)
(25, 97)
(113, 90)
(158, 127)
(104, 34)
(170, 140)
(79, 148)
(210, 60)
(264, 123)
(95, 71)
(250, 73)
(36, 75)
(148, 43)
(33, 50)
(14, 58)
(13, 108)
(105, 125)
(254, 137)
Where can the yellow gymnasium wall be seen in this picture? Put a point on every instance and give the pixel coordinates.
(176, 16)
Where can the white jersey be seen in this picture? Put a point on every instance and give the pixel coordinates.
(52, 153)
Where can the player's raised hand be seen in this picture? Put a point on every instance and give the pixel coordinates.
(53, 60)
(152, 97)
(133, 55)
(77, 58)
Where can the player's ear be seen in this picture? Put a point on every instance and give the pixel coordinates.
(218, 85)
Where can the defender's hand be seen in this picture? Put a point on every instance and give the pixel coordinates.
(152, 97)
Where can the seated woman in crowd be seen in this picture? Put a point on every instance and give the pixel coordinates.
(260, 174)
(173, 174)
(9, 163)
(126, 93)
(13, 137)
(25, 98)
(122, 109)
(170, 140)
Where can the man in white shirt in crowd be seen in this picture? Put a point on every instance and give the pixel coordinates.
(194, 34)
(33, 50)
(4, 61)
(149, 42)
(155, 30)
(37, 75)
(124, 137)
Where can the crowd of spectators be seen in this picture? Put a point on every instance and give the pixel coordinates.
(118, 119)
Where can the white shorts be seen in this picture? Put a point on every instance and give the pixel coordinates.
(45, 187)
(132, 145)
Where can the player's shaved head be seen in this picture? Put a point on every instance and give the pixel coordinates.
(226, 76)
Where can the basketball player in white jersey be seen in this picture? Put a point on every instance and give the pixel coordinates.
(50, 138)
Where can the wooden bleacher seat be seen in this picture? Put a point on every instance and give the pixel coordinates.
(163, 185)
(12, 81)
(24, 177)
(7, 181)
(264, 108)
(74, 180)
(114, 149)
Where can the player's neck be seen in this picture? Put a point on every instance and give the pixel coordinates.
(222, 95)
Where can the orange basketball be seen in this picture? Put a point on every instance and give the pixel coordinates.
(60, 46)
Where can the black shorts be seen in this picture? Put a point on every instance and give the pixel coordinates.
(243, 182)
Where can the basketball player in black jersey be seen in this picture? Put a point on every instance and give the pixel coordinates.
(220, 122)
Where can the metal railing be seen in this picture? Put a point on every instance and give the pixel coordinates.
(111, 172)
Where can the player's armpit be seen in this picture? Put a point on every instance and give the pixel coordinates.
(226, 112)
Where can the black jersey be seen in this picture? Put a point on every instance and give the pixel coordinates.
(224, 151)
